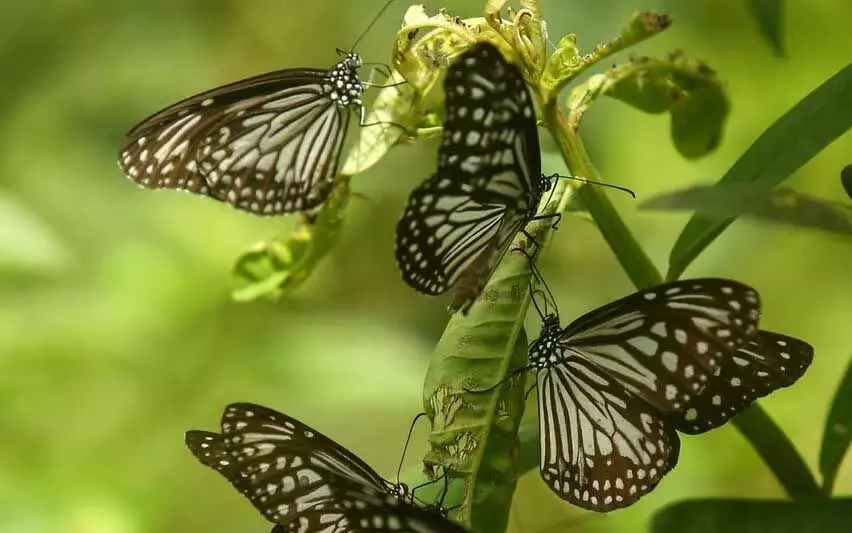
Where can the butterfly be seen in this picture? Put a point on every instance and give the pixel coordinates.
(269, 144)
(617, 384)
(488, 185)
(299, 479)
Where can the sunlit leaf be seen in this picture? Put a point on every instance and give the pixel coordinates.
(750, 516)
(789, 143)
(688, 90)
(769, 15)
(274, 268)
(838, 432)
(753, 200)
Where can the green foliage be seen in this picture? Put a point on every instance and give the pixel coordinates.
(689, 90)
(274, 268)
(754, 516)
(769, 15)
(748, 199)
(837, 435)
(805, 130)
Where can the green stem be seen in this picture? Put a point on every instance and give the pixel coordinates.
(632, 257)
(778, 452)
(770, 442)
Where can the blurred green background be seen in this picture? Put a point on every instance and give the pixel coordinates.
(116, 329)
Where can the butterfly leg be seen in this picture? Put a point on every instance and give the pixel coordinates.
(363, 115)
(556, 217)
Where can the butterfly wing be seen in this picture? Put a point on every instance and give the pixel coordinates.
(664, 344)
(269, 144)
(602, 447)
(357, 508)
(300, 479)
(485, 188)
(765, 364)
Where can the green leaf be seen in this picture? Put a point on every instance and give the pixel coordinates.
(838, 432)
(769, 15)
(754, 516)
(474, 435)
(846, 180)
(272, 269)
(689, 90)
(821, 117)
(753, 200)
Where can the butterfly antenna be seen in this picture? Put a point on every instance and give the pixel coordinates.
(593, 182)
(372, 23)
(405, 448)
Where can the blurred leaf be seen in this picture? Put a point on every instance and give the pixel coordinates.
(392, 110)
(277, 267)
(838, 432)
(786, 145)
(27, 244)
(752, 516)
(474, 434)
(769, 15)
(846, 180)
(687, 89)
(753, 200)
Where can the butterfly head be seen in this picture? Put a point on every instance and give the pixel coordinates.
(546, 350)
(343, 85)
(401, 491)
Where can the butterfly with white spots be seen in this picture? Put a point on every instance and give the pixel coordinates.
(488, 186)
(617, 384)
(300, 480)
(268, 144)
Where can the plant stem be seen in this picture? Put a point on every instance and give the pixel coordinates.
(632, 257)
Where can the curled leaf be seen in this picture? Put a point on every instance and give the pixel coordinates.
(687, 89)
(274, 268)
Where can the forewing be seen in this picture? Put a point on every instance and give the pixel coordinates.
(767, 363)
(262, 439)
(267, 144)
(665, 343)
(484, 190)
(602, 447)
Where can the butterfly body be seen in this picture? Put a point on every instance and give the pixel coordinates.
(269, 144)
